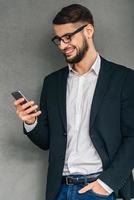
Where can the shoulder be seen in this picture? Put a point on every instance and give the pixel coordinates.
(51, 81)
(117, 67)
(54, 75)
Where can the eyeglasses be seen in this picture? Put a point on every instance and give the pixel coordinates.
(67, 37)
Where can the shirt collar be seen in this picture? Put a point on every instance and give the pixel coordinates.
(95, 67)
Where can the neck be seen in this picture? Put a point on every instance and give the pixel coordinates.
(86, 63)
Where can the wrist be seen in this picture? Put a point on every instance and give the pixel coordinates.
(30, 122)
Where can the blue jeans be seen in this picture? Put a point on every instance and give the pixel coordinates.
(70, 192)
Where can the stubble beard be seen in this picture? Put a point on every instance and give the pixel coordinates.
(80, 53)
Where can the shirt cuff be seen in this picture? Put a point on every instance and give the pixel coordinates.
(105, 186)
(30, 127)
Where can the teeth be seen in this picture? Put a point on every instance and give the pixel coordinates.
(69, 51)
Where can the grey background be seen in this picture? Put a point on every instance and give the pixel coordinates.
(26, 56)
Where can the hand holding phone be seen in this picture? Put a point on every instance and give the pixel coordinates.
(26, 110)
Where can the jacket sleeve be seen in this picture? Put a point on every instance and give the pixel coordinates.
(40, 134)
(122, 165)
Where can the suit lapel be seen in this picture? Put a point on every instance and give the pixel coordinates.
(62, 89)
(101, 88)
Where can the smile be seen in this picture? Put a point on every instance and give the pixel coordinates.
(69, 52)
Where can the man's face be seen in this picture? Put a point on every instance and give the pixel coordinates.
(75, 50)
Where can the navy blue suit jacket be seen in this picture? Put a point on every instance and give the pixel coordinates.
(111, 127)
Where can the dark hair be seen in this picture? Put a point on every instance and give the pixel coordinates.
(72, 14)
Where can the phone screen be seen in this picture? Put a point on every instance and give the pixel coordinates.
(17, 95)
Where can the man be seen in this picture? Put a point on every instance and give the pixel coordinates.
(86, 118)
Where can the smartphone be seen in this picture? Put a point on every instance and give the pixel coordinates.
(18, 94)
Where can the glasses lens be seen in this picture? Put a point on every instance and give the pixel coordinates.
(66, 38)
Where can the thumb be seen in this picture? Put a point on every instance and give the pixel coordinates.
(85, 188)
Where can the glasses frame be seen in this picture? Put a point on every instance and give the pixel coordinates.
(67, 34)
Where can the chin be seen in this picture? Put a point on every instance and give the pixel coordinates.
(70, 59)
(73, 60)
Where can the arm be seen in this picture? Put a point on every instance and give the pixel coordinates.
(105, 186)
(30, 127)
(40, 134)
(123, 163)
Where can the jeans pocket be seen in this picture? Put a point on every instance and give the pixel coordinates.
(99, 195)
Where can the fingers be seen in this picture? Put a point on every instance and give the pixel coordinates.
(19, 101)
(30, 118)
(19, 106)
(27, 105)
(86, 188)
(32, 109)
(21, 111)
(26, 111)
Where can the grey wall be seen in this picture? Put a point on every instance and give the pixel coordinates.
(26, 56)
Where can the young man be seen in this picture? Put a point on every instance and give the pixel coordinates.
(86, 118)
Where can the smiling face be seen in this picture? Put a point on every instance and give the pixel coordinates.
(76, 49)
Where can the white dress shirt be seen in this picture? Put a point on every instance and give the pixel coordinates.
(81, 156)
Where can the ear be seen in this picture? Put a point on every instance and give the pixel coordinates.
(89, 31)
